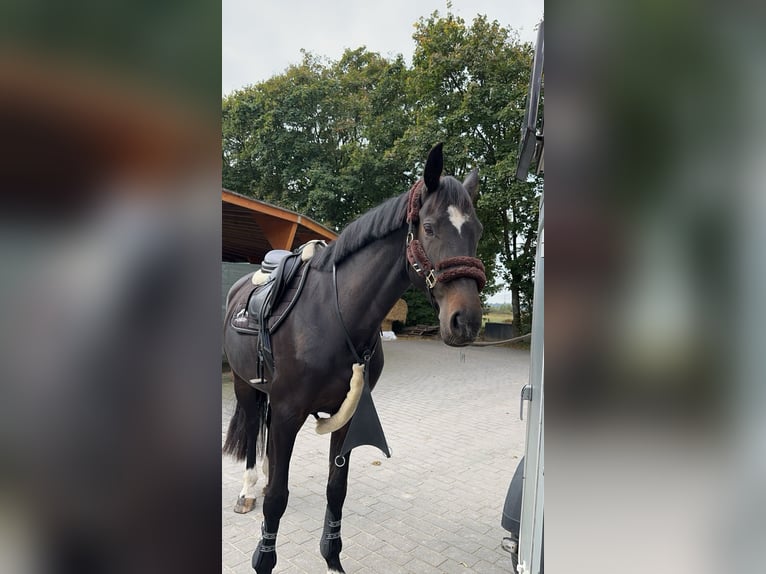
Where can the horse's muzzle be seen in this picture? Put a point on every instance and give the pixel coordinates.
(462, 328)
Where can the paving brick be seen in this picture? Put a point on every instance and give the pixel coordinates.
(459, 557)
(435, 506)
(489, 554)
(353, 550)
(488, 568)
(417, 566)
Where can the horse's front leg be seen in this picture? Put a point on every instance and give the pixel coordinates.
(331, 543)
(282, 433)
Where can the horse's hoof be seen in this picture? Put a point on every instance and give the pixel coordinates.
(263, 562)
(244, 505)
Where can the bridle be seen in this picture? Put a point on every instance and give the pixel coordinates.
(445, 270)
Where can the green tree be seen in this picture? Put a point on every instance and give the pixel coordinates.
(468, 85)
(316, 139)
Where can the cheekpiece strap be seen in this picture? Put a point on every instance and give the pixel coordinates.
(413, 203)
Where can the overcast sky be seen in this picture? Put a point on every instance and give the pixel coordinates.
(263, 37)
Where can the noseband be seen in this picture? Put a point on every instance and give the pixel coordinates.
(445, 270)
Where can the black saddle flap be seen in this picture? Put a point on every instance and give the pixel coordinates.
(258, 298)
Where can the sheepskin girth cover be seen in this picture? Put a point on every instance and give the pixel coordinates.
(348, 407)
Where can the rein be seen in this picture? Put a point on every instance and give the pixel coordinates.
(364, 426)
(367, 353)
(445, 270)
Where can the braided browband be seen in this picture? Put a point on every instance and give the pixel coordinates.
(451, 268)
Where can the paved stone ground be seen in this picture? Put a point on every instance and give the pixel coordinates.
(451, 418)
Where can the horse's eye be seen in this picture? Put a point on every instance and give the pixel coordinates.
(428, 229)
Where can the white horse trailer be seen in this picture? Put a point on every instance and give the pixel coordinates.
(524, 505)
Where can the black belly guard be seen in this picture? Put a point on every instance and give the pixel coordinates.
(365, 427)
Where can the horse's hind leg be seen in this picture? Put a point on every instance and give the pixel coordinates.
(282, 431)
(245, 430)
(247, 496)
(331, 543)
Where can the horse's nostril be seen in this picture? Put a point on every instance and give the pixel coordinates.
(455, 321)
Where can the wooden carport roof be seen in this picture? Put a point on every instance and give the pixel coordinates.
(250, 228)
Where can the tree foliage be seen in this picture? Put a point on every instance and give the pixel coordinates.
(315, 139)
(332, 139)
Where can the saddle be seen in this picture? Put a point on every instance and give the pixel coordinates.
(277, 286)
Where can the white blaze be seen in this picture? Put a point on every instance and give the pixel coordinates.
(456, 217)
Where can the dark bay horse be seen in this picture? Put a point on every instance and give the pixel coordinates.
(426, 237)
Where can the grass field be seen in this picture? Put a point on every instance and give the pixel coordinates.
(497, 317)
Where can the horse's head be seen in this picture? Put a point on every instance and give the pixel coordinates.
(441, 249)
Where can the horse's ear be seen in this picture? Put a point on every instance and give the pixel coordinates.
(471, 184)
(434, 167)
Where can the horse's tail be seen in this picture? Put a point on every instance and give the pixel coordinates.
(249, 415)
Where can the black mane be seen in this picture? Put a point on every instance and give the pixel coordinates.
(382, 221)
(368, 227)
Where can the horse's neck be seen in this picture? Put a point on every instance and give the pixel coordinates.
(370, 282)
